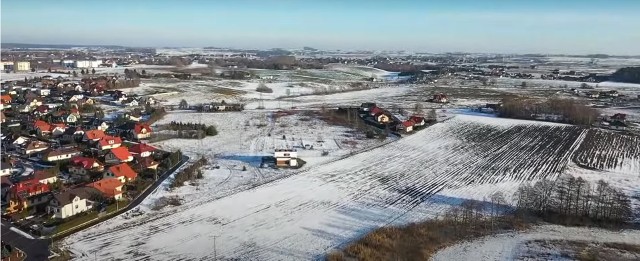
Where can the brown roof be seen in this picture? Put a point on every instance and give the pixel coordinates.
(67, 196)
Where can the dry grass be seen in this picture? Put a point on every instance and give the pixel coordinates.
(228, 91)
(419, 241)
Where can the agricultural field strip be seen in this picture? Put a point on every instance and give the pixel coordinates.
(606, 150)
(444, 162)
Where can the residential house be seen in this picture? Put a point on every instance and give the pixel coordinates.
(103, 126)
(118, 155)
(143, 163)
(618, 125)
(34, 146)
(142, 150)
(381, 118)
(41, 110)
(23, 66)
(46, 176)
(83, 165)
(44, 92)
(109, 187)
(72, 134)
(286, 157)
(71, 202)
(6, 99)
(109, 142)
(407, 126)
(593, 94)
(25, 194)
(417, 120)
(19, 142)
(133, 116)
(61, 154)
(93, 135)
(619, 117)
(142, 131)
(42, 127)
(76, 98)
(131, 102)
(122, 172)
(57, 129)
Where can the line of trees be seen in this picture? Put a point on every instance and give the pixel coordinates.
(571, 200)
(189, 173)
(181, 126)
(559, 110)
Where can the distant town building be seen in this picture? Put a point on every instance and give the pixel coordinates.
(87, 64)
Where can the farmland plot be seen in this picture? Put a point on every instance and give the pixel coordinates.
(611, 151)
(304, 215)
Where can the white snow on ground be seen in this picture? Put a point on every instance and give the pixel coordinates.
(508, 246)
(304, 215)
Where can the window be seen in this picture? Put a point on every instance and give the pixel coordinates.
(76, 206)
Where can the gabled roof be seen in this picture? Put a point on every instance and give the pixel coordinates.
(408, 123)
(84, 162)
(123, 170)
(62, 151)
(141, 147)
(6, 99)
(105, 140)
(140, 126)
(67, 196)
(121, 153)
(146, 162)
(94, 134)
(107, 186)
(42, 125)
(44, 174)
(375, 110)
(36, 144)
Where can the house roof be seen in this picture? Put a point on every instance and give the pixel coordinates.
(107, 186)
(416, 118)
(140, 126)
(375, 110)
(58, 125)
(123, 170)
(408, 123)
(42, 125)
(121, 153)
(94, 134)
(141, 147)
(5, 99)
(84, 162)
(36, 144)
(104, 141)
(67, 196)
(146, 162)
(27, 187)
(44, 174)
(62, 151)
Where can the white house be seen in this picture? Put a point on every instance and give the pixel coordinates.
(286, 158)
(71, 202)
(44, 92)
(87, 64)
(76, 97)
(61, 154)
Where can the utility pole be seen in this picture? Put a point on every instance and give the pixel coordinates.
(215, 254)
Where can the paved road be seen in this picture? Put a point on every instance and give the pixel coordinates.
(36, 249)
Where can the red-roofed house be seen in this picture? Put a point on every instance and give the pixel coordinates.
(110, 188)
(407, 126)
(42, 127)
(93, 135)
(109, 142)
(25, 194)
(6, 99)
(143, 163)
(122, 171)
(118, 155)
(84, 165)
(142, 131)
(60, 154)
(142, 150)
(375, 110)
(58, 129)
(417, 120)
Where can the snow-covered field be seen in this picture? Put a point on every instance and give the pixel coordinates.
(511, 246)
(304, 215)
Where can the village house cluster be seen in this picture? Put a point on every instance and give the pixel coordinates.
(62, 157)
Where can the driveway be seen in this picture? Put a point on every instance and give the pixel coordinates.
(36, 249)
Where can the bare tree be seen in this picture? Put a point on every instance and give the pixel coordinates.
(183, 104)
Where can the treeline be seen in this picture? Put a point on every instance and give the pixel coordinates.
(273, 63)
(181, 126)
(189, 173)
(628, 74)
(558, 110)
(574, 201)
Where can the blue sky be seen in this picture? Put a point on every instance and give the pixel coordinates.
(504, 26)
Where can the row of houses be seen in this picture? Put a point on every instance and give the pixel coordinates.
(370, 111)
